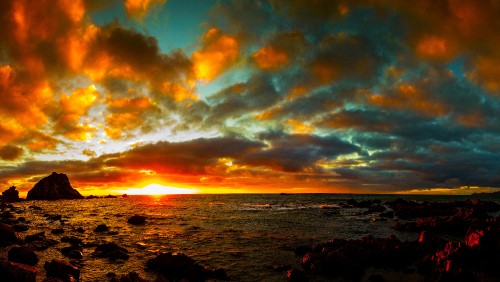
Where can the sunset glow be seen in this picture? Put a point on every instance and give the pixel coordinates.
(250, 96)
(157, 189)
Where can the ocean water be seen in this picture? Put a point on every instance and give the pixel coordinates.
(244, 234)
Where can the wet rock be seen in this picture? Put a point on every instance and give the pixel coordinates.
(24, 255)
(12, 271)
(179, 266)
(8, 234)
(72, 240)
(137, 220)
(20, 227)
(53, 187)
(295, 275)
(74, 252)
(57, 231)
(62, 270)
(281, 267)
(10, 195)
(302, 250)
(101, 228)
(39, 242)
(111, 251)
(130, 277)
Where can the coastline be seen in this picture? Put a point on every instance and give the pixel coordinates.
(309, 268)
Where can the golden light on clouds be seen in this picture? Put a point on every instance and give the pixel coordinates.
(139, 8)
(270, 58)
(217, 53)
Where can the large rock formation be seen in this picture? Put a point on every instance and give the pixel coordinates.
(10, 195)
(53, 187)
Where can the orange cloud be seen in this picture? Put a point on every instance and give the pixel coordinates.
(217, 53)
(486, 71)
(10, 153)
(299, 127)
(73, 108)
(270, 58)
(139, 8)
(435, 47)
(409, 97)
(127, 114)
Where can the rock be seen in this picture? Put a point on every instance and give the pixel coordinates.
(20, 227)
(177, 267)
(72, 240)
(137, 220)
(302, 250)
(101, 228)
(111, 251)
(8, 234)
(124, 196)
(10, 195)
(75, 254)
(62, 270)
(130, 277)
(39, 242)
(295, 275)
(57, 231)
(80, 230)
(24, 255)
(12, 271)
(53, 187)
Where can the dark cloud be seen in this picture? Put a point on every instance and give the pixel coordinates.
(295, 153)
(10, 153)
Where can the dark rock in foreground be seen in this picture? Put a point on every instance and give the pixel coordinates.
(53, 187)
(24, 255)
(474, 259)
(137, 220)
(177, 267)
(8, 234)
(14, 272)
(62, 270)
(131, 277)
(111, 251)
(10, 195)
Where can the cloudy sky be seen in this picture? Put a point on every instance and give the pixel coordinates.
(251, 96)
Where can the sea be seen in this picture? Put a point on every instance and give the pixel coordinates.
(246, 234)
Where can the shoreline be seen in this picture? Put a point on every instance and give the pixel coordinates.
(319, 260)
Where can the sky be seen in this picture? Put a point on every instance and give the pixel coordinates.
(295, 96)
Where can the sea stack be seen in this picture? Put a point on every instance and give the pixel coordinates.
(10, 195)
(53, 187)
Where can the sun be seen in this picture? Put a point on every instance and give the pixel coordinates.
(158, 189)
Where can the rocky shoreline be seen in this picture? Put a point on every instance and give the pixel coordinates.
(458, 241)
(22, 262)
(475, 257)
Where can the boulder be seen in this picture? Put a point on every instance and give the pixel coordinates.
(12, 271)
(10, 195)
(53, 187)
(179, 266)
(130, 277)
(137, 220)
(111, 251)
(62, 270)
(8, 234)
(101, 228)
(295, 275)
(24, 255)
